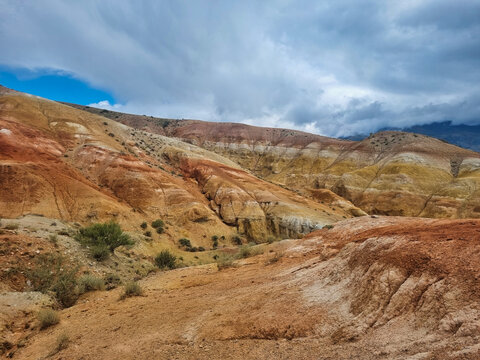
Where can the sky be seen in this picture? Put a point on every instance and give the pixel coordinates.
(332, 67)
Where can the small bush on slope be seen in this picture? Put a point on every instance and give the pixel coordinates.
(185, 243)
(88, 283)
(52, 272)
(166, 260)
(103, 238)
(131, 289)
(47, 318)
(63, 341)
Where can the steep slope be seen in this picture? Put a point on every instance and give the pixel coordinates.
(392, 173)
(69, 164)
(381, 288)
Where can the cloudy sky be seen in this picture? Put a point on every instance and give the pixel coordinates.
(332, 67)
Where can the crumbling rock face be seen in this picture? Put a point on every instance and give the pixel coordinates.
(257, 208)
(402, 274)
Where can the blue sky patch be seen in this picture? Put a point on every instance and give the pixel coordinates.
(53, 85)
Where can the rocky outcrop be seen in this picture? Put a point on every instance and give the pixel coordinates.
(392, 272)
(259, 209)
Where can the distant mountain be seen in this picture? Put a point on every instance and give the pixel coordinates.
(466, 136)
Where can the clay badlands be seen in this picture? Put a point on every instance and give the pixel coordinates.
(242, 242)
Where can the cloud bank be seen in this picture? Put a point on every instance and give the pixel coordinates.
(332, 67)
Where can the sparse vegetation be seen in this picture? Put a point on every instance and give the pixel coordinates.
(103, 239)
(165, 260)
(186, 243)
(63, 341)
(237, 240)
(277, 255)
(53, 239)
(248, 250)
(89, 282)
(225, 261)
(51, 272)
(158, 225)
(148, 234)
(245, 252)
(100, 252)
(11, 226)
(270, 240)
(328, 227)
(47, 318)
(131, 289)
(65, 289)
(111, 281)
(215, 241)
(143, 225)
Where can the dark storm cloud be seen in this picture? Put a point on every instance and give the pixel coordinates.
(333, 67)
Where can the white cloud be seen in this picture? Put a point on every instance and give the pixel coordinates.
(333, 67)
(105, 104)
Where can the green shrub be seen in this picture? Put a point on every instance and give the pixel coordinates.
(328, 227)
(143, 225)
(45, 271)
(100, 252)
(88, 283)
(159, 230)
(165, 260)
(103, 238)
(47, 318)
(65, 289)
(215, 241)
(185, 243)
(52, 272)
(112, 281)
(158, 223)
(237, 240)
(131, 289)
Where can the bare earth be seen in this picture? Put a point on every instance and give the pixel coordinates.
(370, 288)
